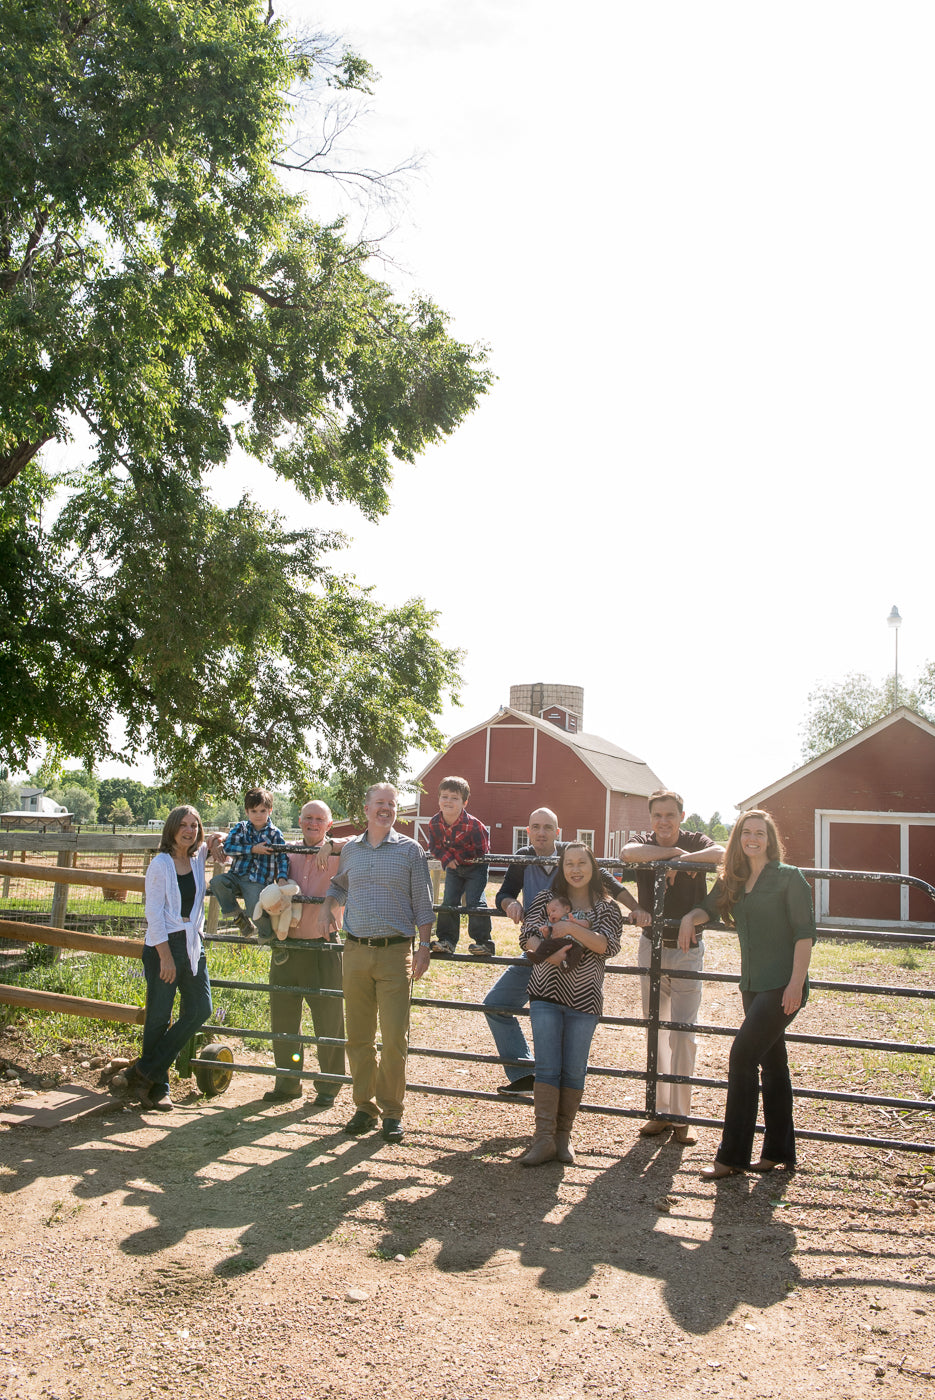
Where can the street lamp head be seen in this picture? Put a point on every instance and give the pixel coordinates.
(894, 618)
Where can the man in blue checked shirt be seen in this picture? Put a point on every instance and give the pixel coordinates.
(254, 865)
(383, 882)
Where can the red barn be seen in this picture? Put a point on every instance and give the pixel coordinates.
(866, 804)
(520, 759)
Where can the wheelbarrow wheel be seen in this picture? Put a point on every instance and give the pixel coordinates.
(210, 1076)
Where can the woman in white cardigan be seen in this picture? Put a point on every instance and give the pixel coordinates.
(173, 955)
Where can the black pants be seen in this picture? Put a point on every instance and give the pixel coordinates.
(759, 1049)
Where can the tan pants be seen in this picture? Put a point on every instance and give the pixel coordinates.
(679, 1000)
(376, 983)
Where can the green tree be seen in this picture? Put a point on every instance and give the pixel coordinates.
(841, 709)
(78, 800)
(127, 790)
(120, 812)
(160, 286)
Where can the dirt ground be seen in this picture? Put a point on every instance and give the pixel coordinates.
(213, 1251)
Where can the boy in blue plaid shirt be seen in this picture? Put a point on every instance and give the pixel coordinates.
(254, 864)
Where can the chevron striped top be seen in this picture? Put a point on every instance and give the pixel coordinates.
(582, 987)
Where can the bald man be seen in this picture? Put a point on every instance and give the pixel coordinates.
(510, 992)
(316, 964)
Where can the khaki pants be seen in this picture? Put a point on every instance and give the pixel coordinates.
(376, 983)
(679, 1000)
(314, 966)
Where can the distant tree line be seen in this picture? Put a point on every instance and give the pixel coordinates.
(128, 802)
(715, 827)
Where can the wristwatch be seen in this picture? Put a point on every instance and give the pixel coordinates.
(424, 945)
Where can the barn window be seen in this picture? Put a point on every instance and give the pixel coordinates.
(587, 838)
(511, 754)
(520, 838)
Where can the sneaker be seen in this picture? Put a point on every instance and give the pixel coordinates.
(524, 1085)
(361, 1123)
(441, 948)
(247, 926)
(483, 950)
(392, 1130)
(280, 955)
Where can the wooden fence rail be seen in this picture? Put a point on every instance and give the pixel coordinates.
(66, 875)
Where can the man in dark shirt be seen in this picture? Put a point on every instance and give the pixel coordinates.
(679, 997)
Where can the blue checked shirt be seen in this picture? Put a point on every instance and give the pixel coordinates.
(262, 870)
(386, 890)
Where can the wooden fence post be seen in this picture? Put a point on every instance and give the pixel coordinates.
(213, 915)
(60, 902)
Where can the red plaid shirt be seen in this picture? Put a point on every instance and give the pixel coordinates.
(463, 840)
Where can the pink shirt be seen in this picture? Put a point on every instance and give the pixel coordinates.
(310, 880)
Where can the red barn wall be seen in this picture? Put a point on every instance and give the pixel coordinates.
(893, 771)
(628, 813)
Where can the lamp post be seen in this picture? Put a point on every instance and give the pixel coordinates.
(895, 621)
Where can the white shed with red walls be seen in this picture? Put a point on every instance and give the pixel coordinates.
(866, 804)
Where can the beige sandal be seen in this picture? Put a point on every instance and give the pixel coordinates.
(718, 1171)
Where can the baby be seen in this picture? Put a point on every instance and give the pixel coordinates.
(557, 910)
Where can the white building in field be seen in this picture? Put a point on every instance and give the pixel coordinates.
(33, 800)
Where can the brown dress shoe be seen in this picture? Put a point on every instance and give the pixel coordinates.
(654, 1126)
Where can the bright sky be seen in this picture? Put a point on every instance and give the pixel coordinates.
(698, 241)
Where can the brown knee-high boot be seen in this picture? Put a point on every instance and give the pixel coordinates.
(545, 1104)
(568, 1101)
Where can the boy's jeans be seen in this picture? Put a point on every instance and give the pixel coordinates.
(226, 886)
(469, 880)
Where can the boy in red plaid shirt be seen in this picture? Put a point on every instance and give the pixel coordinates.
(454, 838)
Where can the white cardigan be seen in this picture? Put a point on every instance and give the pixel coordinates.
(164, 903)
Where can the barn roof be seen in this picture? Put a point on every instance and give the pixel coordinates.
(617, 770)
(903, 713)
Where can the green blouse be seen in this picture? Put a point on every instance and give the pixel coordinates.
(769, 921)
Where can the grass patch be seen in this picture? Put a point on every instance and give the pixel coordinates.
(862, 961)
(99, 977)
(88, 903)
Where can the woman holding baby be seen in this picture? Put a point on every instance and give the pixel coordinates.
(566, 993)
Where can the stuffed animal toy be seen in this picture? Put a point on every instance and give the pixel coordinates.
(276, 901)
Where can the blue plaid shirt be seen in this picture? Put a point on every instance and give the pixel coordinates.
(262, 870)
(387, 888)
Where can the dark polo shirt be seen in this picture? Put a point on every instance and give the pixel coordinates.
(687, 890)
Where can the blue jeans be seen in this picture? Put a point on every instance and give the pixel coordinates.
(759, 1048)
(162, 1043)
(470, 880)
(563, 1038)
(226, 886)
(512, 992)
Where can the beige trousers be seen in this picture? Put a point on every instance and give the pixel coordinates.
(376, 985)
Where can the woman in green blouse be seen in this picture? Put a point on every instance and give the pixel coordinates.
(770, 906)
